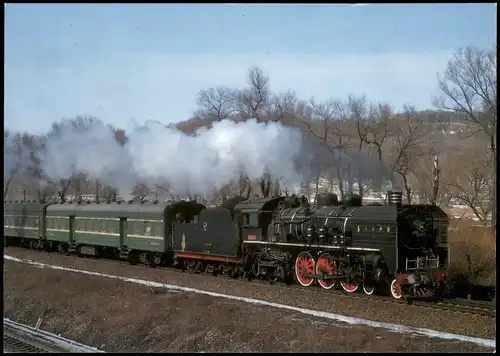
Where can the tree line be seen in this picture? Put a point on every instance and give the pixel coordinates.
(437, 156)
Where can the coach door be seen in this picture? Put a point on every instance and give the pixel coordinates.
(71, 228)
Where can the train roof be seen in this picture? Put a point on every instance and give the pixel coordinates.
(231, 203)
(265, 204)
(125, 210)
(24, 207)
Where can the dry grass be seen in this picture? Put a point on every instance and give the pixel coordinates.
(309, 298)
(473, 252)
(122, 317)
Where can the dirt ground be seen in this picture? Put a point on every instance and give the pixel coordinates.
(311, 298)
(116, 316)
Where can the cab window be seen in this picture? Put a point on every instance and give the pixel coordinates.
(254, 219)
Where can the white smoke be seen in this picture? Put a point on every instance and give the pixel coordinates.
(388, 185)
(190, 164)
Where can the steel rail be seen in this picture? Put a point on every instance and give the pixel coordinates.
(24, 338)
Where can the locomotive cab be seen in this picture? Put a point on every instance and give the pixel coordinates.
(255, 216)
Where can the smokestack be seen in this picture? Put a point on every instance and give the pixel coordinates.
(395, 198)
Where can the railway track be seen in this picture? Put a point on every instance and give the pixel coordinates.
(20, 338)
(468, 306)
(474, 307)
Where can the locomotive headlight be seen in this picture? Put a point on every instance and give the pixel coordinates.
(422, 227)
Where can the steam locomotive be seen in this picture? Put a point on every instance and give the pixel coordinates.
(402, 249)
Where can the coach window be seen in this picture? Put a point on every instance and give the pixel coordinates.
(104, 225)
(244, 219)
(157, 228)
(114, 226)
(79, 224)
(138, 227)
(92, 224)
(147, 228)
(98, 226)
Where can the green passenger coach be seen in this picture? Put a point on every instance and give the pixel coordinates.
(135, 231)
(24, 222)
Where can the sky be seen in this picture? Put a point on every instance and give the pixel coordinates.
(148, 61)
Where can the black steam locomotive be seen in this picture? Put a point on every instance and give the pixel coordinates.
(400, 248)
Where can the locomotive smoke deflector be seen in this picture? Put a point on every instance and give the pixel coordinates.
(395, 198)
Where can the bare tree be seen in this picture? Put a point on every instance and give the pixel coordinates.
(277, 187)
(218, 103)
(244, 185)
(253, 102)
(78, 124)
(427, 182)
(164, 189)
(109, 193)
(21, 162)
(469, 86)
(266, 184)
(410, 135)
(372, 123)
(283, 107)
(34, 177)
(97, 190)
(326, 125)
(60, 186)
(372, 129)
(78, 183)
(13, 158)
(435, 180)
(43, 193)
(141, 192)
(474, 190)
(120, 136)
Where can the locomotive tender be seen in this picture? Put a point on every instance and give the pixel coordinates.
(400, 248)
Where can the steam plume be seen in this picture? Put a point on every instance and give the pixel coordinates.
(155, 154)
